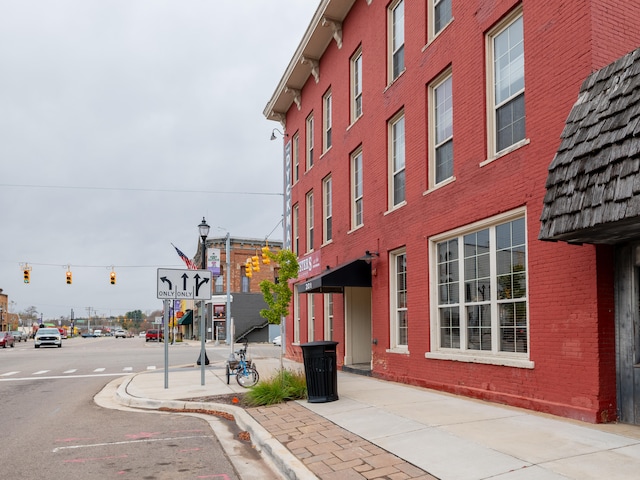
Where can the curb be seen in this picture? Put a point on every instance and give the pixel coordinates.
(286, 463)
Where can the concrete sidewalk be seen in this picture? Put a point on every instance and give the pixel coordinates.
(386, 430)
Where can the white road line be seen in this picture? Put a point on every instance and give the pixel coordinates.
(98, 370)
(73, 370)
(127, 442)
(57, 377)
(8, 374)
(151, 367)
(40, 372)
(127, 369)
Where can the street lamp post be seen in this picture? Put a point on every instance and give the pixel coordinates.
(203, 228)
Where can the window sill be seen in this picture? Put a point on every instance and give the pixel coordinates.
(392, 81)
(398, 350)
(434, 37)
(397, 207)
(355, 229)
(506, 151)
(326, 152)
(439, 186)
(328, 242)
(353, 122)
(484, 359)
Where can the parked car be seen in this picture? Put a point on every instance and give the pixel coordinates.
(6, 339)
(63, 332)
(277, 340)
(87, 335)
(120, 334)
(48, 336)
(142, 334)
(97, 333)
(153, 335)
(19, 336)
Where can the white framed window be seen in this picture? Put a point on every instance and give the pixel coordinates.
(399, 328)
(327, 215)
(396, 39)
(295, 151)
(357, 191)
(296, 316)
(309, 203)
(356, 85)
(295, 223)
(327, 121)
(309, 139)
(441, 130)
(245, 282)
(479, 296)
(506, 81)
(440, 15)
(328, 316)
(219, 284)
(311, 317)
(396, 161)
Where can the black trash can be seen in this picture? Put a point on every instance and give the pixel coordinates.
(320, 371)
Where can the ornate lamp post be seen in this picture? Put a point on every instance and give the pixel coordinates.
(203, 228)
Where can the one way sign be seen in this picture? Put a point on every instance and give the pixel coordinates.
(184, 284)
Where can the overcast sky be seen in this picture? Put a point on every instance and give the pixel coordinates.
(122, 124)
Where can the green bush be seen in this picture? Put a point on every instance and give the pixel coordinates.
(285, 385)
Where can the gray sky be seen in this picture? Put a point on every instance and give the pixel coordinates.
(119, 119)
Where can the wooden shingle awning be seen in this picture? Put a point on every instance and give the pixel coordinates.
(593, 185)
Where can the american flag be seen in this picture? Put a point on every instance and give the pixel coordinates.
(188, 262)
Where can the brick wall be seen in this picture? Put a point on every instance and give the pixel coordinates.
(570, 288)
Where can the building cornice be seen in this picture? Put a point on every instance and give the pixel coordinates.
(325, 27)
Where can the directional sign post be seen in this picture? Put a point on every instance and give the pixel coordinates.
(180, 285)
(184, 284)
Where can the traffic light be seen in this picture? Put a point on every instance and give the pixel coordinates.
(27, 275)
(247, 268)
(69, 279)
(255, 263)
(112, 278)
(265, 255)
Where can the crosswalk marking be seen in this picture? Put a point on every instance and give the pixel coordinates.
(72, 370)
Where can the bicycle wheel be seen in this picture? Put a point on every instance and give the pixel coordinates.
(247, 377)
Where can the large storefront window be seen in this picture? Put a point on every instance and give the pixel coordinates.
(481, 296)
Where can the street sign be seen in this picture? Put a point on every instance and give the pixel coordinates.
(184, 284)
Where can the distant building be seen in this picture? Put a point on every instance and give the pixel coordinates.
(247, 300)
(418, 141)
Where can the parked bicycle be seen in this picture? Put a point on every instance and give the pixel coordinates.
(244, 370)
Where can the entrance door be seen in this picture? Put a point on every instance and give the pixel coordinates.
(627, 291)
(357, 315)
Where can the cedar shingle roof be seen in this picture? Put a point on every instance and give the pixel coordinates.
(593, 186)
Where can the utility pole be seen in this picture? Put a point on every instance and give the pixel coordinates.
(89, 320)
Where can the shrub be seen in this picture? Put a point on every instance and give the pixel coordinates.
(285, 385)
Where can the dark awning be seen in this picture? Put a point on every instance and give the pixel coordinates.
(353, 274)
(187, 318)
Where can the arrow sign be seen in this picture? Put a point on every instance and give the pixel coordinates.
(166, 280)
(200, 283)
(184, 284)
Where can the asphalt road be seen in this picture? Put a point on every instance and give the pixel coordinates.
(52, 428)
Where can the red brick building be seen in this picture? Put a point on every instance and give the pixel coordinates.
(418, 137)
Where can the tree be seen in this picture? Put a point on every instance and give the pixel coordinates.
(30, 315)
(277, 295)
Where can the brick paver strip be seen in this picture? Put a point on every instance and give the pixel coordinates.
(329, 451)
